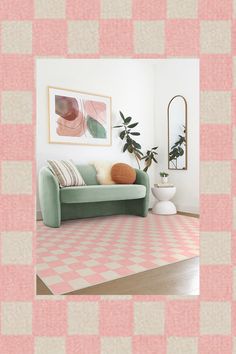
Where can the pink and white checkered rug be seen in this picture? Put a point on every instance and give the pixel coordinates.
(85, 252)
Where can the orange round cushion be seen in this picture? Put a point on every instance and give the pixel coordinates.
(122, 173)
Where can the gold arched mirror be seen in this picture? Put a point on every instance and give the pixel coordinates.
(177, 133)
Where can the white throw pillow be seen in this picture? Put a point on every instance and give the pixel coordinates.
(103, 169)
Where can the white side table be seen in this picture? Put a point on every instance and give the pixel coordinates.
(163, 205)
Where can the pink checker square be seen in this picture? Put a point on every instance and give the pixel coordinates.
(17, 283)
(49, 318)
(50, 37)
(182, 38)
(215, 10)
(9, 142)
(233, 177)
(23, 207)
(16, 10)
(153, 10)
(182, 318)
(215, 344)
(234, 106)
(16, 344)
(116, 318)
(83, 344)
(83, 10)
(219, 207)
(216, 72)
(116, 37)
(216, 283)
(210, 134)
(149, 344)
(17, 72)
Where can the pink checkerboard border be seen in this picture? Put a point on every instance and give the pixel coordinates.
(138, 28)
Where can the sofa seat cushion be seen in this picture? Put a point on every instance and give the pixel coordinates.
(101, 193)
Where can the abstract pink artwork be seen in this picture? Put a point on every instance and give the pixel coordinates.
(78, 117)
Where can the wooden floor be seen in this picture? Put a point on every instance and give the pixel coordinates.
(181, 278)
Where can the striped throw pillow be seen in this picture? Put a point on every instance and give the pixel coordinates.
(66, 173)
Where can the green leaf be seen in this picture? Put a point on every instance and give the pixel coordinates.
(122, 134)
(154, 148)
(122, 116)
(127, 120)
(135, 133)
(132, 125)
(137, 145)
(154, 159)
(95, 128)
(125, 147)
(118, 126)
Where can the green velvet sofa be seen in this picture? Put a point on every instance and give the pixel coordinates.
(68, 203)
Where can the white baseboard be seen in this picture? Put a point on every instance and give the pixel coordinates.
(187, 209)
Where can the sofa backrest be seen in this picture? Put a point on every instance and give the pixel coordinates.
(89, 174)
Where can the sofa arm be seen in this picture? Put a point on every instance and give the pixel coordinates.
(49, 197)
(143, 178)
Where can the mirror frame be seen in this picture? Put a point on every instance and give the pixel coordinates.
(186, 134)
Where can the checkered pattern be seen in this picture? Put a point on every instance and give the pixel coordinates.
(184, 29)
(86, 252)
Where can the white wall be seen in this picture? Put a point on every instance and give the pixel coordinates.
(140, 88)
(179, 77)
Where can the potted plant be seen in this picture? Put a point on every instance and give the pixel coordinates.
(132, 146)
(164, 177)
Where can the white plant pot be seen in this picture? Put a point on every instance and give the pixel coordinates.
(164, 179)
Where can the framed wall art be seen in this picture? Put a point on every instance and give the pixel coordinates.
(78, 117)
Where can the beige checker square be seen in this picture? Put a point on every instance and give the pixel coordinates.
(149, 37)
(234, 143)
(116, 9)
(116, 345)
(16, 177)
(83, 318)
(149, 318)
(215, 318)
(16, 318)
(50, 345)
(83, 37)
(16, 247)
(177, 9)
(216, 107)
(213, 181)
(116, 297)
(215, 248)
(181, 345)
(17, 37)
(215, 37)
(49, 8)
(17, 107)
